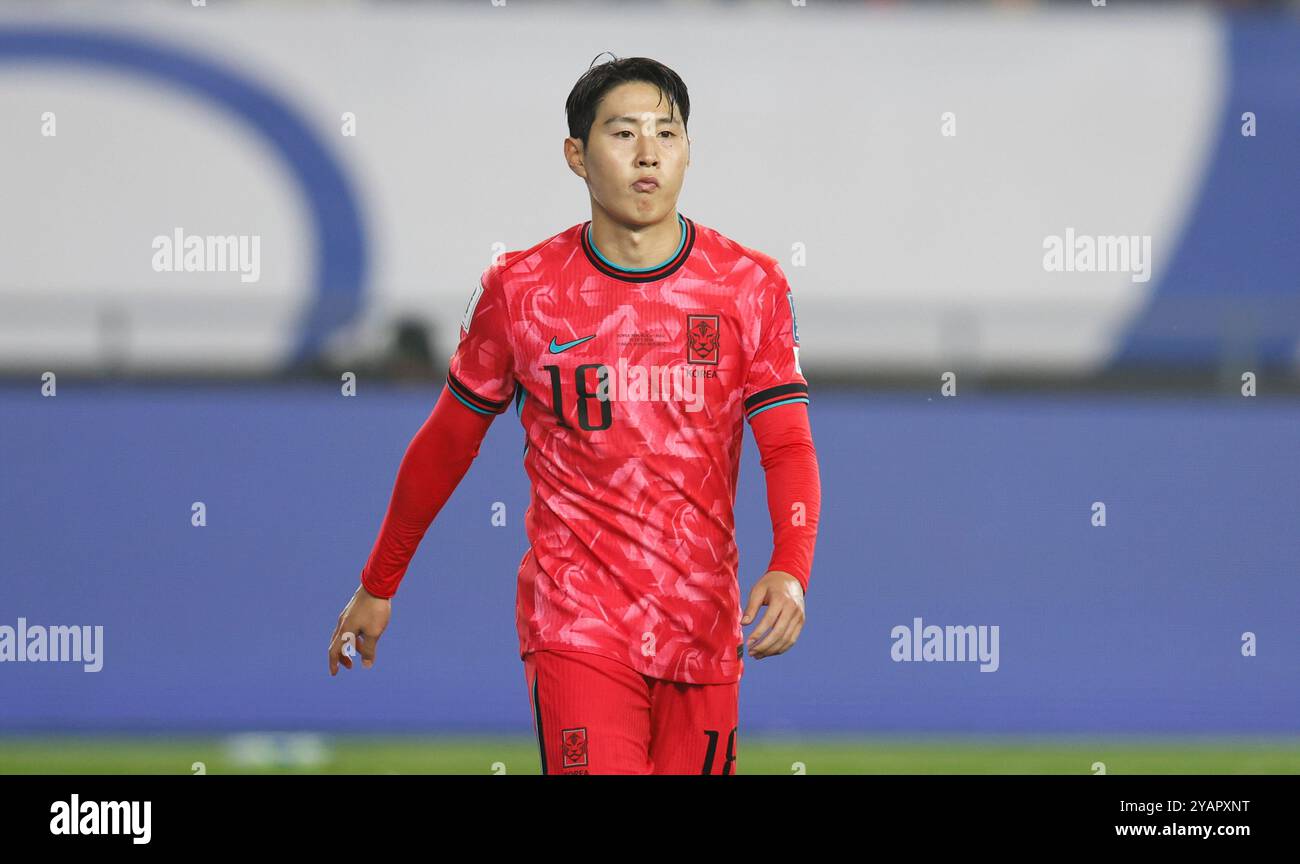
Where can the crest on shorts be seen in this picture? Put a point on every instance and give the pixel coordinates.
(573, 744)
(702, 338)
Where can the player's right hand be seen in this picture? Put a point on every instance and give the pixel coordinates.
(360, 625)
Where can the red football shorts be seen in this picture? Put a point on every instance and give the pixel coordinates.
(594, 715)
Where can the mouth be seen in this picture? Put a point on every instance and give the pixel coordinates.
(646, 184)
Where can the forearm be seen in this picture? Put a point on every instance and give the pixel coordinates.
(435, 461)
(789, 462)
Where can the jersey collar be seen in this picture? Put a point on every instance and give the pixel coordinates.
(642, 274)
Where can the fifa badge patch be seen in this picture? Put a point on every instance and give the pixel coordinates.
(468, 317)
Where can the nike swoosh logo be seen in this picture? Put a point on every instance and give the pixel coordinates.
(557, 347)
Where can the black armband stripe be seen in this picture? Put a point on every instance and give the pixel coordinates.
(773, 392)
(458, 388)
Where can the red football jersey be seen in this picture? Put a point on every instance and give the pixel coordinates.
(632, 387)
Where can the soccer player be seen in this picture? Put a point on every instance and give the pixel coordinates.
(633, 347)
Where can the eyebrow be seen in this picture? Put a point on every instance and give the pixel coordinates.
(635, 120)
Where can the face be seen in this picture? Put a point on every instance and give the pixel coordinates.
(633, 137)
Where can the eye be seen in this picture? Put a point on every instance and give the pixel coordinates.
(667, 132)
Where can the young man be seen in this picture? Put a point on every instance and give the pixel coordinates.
(633, 347)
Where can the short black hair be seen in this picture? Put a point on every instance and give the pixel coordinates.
(599, 80)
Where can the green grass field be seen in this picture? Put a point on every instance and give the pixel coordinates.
(315, 754)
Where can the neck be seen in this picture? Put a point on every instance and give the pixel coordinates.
(635, 246)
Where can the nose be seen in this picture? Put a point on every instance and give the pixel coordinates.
(647, 153)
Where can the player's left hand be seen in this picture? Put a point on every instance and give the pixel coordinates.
(783, 596)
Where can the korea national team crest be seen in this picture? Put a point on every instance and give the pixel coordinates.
(702, 338)
(574, 745)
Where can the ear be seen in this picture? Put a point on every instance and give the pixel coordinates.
(573, 157)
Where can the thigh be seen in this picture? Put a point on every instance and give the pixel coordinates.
(693, 728)
(591, 714)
